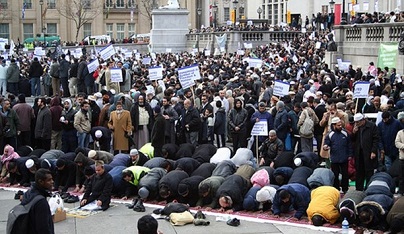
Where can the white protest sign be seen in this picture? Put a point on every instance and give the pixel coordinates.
(207, 52)
(153, 55)
(128, 54)
(318, 44)
(155, 73)
(93, 65)
(295, 59)
(254, 62)
(168, 50)
(137, 56)
(78, 52)
(116, 75)
(187, 76)
(344, 66)
(107, 52)
(260, 128)
(240, 52)
(25, 49)
(146, 60)
(39, 51)
(248, 45)
(281, 88)
(361, 89)
(150, 89)
(196, 71)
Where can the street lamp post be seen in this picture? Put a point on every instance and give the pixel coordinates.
(259, 11)
(235, 3)
(199, 12)
(286, 4)
(42, 27)
(344, 16)
(214, 14)
(332, 4)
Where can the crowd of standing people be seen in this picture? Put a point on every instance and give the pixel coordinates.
(160, 141)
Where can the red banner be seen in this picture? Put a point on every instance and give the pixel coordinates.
(337, 14)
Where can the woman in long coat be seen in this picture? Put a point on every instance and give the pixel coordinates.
(121, 124)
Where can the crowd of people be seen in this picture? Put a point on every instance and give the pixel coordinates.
(158, 141)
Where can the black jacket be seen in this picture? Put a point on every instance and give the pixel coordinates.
(236, 187)
(205, 170)
(134, 113)
(191, 183)
(188, 165)
(191, 118)
(186, 150)
(99, 188)
(157, 134)
(67, 176)
(40, 218)
(366, 140)
(35, 70)
(172, 180)
(204, 152)
(300, 176)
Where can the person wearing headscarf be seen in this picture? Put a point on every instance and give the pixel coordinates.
(142, 121)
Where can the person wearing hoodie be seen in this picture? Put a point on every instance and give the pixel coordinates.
(42, 223)
(35, 73)
(82, 162)
(69, 133)
(13, 76)
(43, 126)
(3, 78)
(8, 155)
(25, 113)
(56, 113)
(237, 123)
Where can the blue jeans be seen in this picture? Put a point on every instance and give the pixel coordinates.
(35, 86)
(82, 139)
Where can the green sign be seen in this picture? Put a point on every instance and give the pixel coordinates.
(387, 54)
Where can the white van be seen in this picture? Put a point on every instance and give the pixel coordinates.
(101, 39)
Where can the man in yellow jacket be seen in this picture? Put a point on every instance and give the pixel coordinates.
(323, 205)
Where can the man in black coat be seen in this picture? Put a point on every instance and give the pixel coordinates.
(185, 150)
(188, 190)
(366, 139)
(191, 122)
(204, 152)
(158, 133)
(319, 109)
(66, 174)
(188, 165)
(99, 188)
(64, 67)
(231, 193)
(168, 184)
(39, 216)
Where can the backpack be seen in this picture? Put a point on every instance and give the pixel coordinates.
(307, 127)
(18, 219)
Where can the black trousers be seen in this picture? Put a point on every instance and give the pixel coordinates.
(239, 140)
(401, 177)
(24, 138)
(340, 168)
(362, 174)
(43, 143)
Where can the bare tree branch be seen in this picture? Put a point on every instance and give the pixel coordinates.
(80, 12)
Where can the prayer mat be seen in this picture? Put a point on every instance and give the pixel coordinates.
(78, 213)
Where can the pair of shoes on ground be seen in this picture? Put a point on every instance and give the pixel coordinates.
(137, 205)
(201, 222)
(71, 198)
(18, 195)
(233, 222)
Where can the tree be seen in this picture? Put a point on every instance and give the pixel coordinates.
(148, 6)
(80, 12)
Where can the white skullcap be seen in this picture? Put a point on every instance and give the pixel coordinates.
(92, 153)
(298, 162)
(358, 117)
(266, 193)
(29, 163)
(335, 120)
(98, 134)
(134, 152)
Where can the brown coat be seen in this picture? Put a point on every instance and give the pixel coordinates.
(119, 126)
(326, 123)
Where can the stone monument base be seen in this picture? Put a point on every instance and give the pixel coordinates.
(169, 30)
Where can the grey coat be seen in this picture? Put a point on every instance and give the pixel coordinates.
(13, 73)
(43, 126)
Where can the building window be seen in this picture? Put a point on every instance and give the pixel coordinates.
(4, 31)
(28, 30)
(120, 4)
(87, 29)
(110, 30)
(108, 3)
(3, 4)
(51, 4)
(120, 31)
(226, 14)
(52, 29)
(28, 4)
(131, 29)
(131, 4)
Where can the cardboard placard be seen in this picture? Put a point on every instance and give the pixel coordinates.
(260, 128)
(116, 75)
(281, 88)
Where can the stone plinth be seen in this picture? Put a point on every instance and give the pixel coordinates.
(169, 30)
